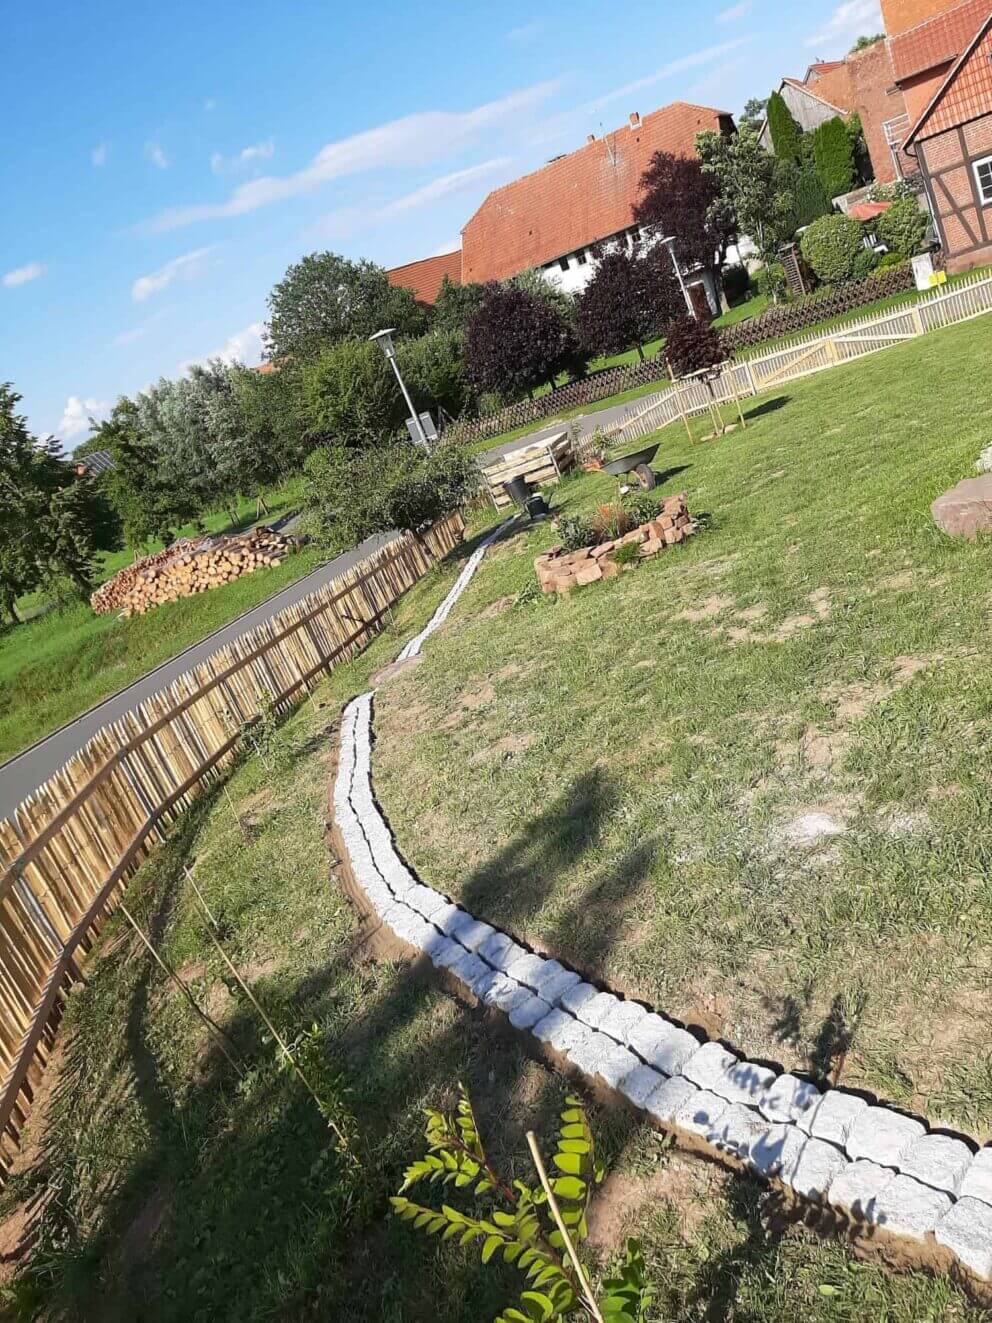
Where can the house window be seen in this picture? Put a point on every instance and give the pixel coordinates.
(582, 257)
(983, 178)
(563, 263)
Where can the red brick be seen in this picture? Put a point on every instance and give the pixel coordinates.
(590, 573)
(652, 546)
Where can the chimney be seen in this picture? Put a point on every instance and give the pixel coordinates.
(635, 120)
(590, 137)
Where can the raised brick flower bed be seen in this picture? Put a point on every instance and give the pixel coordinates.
(559, 571)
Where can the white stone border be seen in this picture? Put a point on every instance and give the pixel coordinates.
(875, 1166)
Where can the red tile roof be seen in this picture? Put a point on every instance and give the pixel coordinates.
(937, 40)
(577, 199)
(966, 92)
(426, 276)
(867, 211)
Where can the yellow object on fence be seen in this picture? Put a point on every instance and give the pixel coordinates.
(68, 848)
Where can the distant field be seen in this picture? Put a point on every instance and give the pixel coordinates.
(62, 662)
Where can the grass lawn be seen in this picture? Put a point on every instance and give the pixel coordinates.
(749, 782)
(177, 1192)
(58, 664)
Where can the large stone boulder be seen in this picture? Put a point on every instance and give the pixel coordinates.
(966, 510)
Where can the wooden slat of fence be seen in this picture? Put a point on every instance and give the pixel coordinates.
(70, 844)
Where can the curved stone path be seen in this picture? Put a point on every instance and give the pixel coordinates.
(880, 1171)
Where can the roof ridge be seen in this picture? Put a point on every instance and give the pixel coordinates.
(934, 18)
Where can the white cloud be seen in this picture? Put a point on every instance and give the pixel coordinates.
(155, 154)
(180, 268)
(850, 19)
(349, 220)
(526, 31)
(735, 13)
(76, 416)
(694, 60)
(244, 346)
(259, 151)
(413, 140)
(99, 154)
(22, 274)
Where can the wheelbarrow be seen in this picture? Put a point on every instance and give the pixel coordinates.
(638, 464)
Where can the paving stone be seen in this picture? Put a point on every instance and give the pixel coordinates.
(554, 1028)
(708, 1065)
(527, 1013)
(832, 1118)
(737, 1129)
(526, 968)
(435, 941)
(629, 1014)
(554, 981)
(907, 1208)
(966, 1230)
(453, 923)
(578, 996)
(474, 933)
(778, 1144)
(699, 1113)
(662, 1045)
(617, 1063)
(593, 1012)
(503, 992)
(810, 1166)
(445, 914)
(666, 1100)
(639, 1084)
(880, 1135)
(471, 970)
(589, 1053)
(411, 927)
(937, 1160)
(977, 1182)
(500, 951)
(789, 1099)
(399, 880)
(743, 1082)
(446, 956)
(424, 900)
(856, 1189)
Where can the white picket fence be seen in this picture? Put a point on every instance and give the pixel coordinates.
(807, 354)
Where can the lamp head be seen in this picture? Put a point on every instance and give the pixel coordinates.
(385, 341)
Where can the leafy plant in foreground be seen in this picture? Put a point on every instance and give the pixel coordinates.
(536, 1228)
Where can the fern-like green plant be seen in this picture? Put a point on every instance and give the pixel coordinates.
(535, 1228)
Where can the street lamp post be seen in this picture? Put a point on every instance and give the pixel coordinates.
(385, 341)
(669, 242)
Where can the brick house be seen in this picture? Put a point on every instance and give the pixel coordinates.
(862, 83)
(552, 218)
(426, 277)
(943, 64)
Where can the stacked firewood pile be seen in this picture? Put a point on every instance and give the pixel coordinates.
(189, 567)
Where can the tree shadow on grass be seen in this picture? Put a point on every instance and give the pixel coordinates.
(767, 406)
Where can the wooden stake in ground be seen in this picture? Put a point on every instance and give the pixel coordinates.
(678, 401)
(215, 1029)
(580, 1272)
(267, 1022)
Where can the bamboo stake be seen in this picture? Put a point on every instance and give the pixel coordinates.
(215, 1029)
(580, 1272)
(270, 1026)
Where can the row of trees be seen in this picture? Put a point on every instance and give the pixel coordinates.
(51, 522)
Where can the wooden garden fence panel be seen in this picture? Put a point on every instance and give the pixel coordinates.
(806, 355)
(68, 847)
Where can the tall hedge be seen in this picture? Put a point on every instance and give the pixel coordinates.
(812, 201)
(786, 133)
(834, 156)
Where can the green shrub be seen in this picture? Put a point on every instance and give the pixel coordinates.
(811, 200)
(736, 283)
(770, 280)
(575, 532)
(642, 506)
(903, 227)
(865, 263)
(888, 260)
(831, 246)
(833, 154)
(350, 394)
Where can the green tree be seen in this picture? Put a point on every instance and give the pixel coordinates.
(786, 133)
(351, 494)
(433, 368)
(350, 394)
(864, 42)
(753, 185)
(455, 305)
(148, 500)
(833, 153)
(754, 113)
(324, 298)
(271, 407)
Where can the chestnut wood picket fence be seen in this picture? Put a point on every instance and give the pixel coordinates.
(67, 850)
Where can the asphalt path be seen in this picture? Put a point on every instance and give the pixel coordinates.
(587, 424)
(23, 773)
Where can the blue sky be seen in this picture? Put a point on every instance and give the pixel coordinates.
(163, 164)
